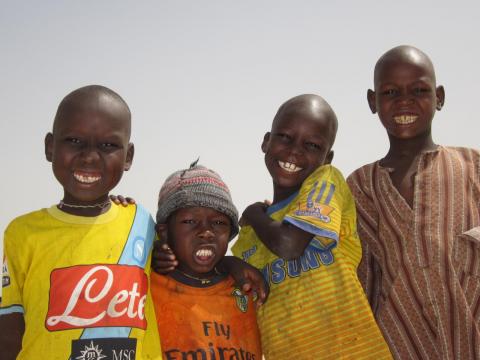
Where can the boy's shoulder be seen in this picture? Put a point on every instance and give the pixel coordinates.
(467, 154)
(25, 219)
(326, 172)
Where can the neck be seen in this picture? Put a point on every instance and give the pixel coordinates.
(409, 148)
(280, 194)
(85, 208)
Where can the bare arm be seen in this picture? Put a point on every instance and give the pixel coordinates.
(284, 240)
(12, 327)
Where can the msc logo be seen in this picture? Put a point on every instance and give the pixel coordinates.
(104, 349)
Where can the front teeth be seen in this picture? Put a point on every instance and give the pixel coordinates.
(204, 253)
(405, 119)
(289, 166)
(86, 179)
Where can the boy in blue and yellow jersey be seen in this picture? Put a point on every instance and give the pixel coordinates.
(306, 244)
(75, 275)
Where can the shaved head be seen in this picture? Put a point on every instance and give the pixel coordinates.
(309, 106)
(95, 98)
(403, 54)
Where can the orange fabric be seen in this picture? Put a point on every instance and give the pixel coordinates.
(205, 323)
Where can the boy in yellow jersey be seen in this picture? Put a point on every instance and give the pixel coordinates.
(306, 244)
(75, 275)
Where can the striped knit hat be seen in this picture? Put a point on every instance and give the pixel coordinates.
(196, 186)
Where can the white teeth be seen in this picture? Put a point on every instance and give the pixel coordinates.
(289, 166)
(405, 119)
(86, 179)
(204, 252)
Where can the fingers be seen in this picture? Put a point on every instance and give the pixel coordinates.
(120, 200)
(163, 258)
(257, 287)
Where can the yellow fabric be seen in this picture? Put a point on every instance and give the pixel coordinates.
(47, 241)
(317, 308)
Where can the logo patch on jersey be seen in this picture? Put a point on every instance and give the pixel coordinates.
(105, 348)
(318, 201)
(319, 211)
(240, 299)
(88, 296)
(5, 274)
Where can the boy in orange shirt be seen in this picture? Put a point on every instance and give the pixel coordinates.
(200, 310)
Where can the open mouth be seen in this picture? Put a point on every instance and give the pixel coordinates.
(86, 178)
(289, 167)
(405, 119)
(205, 254)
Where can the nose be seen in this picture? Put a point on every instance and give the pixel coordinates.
(90, 154)
(296, 148)
(405, 98)
(206, 230)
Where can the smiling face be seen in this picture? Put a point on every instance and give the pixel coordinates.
(199, 238)
(405, 95)
(89, 149)
(300, 141)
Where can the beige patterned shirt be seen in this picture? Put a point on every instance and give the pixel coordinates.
(422, 285)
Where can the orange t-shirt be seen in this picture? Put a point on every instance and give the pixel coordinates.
(215, 322)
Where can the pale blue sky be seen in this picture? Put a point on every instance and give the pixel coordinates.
(204, 78)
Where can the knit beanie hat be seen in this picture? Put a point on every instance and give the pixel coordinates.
(196, 186)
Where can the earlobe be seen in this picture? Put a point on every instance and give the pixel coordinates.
(129, 159)
(371, 101)
(49, 147)
(440, 93)
(266, 138)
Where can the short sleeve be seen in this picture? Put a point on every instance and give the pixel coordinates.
(11, 279)
(318, 207)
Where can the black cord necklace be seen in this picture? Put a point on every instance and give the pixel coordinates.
(201, 281)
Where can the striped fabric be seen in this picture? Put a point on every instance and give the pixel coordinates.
(418, 296)
(316, 308)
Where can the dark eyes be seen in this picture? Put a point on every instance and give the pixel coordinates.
(421, 90)
(416, 91)
(389, 92)
(72, 140)
(214, 222)
(109, 146)
(105, 146)
(313, 146)
(283, 137)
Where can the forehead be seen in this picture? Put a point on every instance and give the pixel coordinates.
(317, 121)
(199, 210)
(93, 115)
(403, 70)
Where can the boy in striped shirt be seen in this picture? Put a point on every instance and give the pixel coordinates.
(420, 275)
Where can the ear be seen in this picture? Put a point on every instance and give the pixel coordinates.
(440, 92)
(129, 159)
(329, 158)
(266, 139)
(371, 98)
(162, 232)
(49, 146)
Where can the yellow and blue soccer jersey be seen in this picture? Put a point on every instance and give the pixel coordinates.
(82, 284)
(317, 308)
